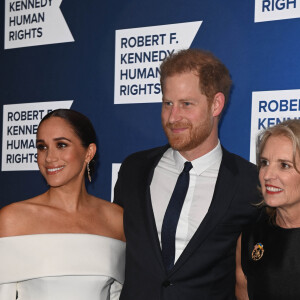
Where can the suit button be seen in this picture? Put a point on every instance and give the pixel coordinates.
(166, 283)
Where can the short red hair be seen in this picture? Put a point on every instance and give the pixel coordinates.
(213, 75)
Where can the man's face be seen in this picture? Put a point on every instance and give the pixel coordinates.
(187, 116)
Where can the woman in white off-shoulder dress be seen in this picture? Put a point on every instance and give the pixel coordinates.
(64, 244)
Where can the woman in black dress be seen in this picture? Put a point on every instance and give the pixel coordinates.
(268, 253)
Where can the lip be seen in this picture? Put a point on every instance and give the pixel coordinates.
(54, 170)
(178, 130)
(272, 189)
(178, 127)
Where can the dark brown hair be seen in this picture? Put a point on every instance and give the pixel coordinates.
(82, 127)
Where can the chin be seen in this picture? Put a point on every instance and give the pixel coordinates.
(178, 143)
(52, 185)
(55, 183)
(183, 145)
(179, 146)
(271, 203)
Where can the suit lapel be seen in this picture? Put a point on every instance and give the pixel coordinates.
(224, 191)
(153, 160)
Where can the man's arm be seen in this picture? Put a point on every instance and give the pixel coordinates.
(241, 292)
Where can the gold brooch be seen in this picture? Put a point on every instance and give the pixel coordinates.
(258, 251)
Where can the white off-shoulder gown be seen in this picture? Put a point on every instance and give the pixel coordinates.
(61, 267)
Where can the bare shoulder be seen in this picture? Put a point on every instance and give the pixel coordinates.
(13, 217)
(111, 215)
(116, 215)
(107, 206)
(112, 209)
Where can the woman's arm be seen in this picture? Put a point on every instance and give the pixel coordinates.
(241, 292)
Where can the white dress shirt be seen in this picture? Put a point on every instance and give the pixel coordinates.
(203, 177)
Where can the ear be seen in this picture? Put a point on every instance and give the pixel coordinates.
(218, 104)
(91, 151)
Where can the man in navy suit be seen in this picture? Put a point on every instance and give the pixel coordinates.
(221, 191)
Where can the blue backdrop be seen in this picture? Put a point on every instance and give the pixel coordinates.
(261, 56)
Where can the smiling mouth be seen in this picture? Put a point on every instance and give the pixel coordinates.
(178, 130)
(273, 189)
(54, 170)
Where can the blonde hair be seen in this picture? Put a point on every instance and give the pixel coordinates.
(289, 129)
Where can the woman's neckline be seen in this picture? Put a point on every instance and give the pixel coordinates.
(52, 234)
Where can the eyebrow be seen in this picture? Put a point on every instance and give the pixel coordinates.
(56, 139)
(179, 100)
(279, 160)
(285, 160)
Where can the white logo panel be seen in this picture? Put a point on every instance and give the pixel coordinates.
(114, 176)
(270, 108)
(139, 52)
(33, 23)
(271, 10)
(20, 123)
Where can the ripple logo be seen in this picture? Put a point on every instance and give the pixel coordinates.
(271, 10)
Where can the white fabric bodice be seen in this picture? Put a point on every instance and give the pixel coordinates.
(61, 267)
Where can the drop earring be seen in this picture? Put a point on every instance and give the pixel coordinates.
(89, 172)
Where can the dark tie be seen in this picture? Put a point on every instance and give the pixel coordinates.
(168, 230)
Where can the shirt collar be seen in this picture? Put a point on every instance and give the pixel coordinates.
(201, 163)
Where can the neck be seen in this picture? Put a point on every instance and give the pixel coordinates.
(201, 150)
(286, 219)
(68, 198)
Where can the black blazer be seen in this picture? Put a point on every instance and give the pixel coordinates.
(206, 268)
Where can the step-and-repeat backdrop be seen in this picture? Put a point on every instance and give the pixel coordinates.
(102, 58)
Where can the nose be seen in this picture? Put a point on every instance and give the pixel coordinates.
(268, 172)
(51, 155)
(174, 114)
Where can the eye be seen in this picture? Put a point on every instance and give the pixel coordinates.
(41, 147)
(263, 162)
(61, 145)
(186, 103)
(285, 165)
(167, 103)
